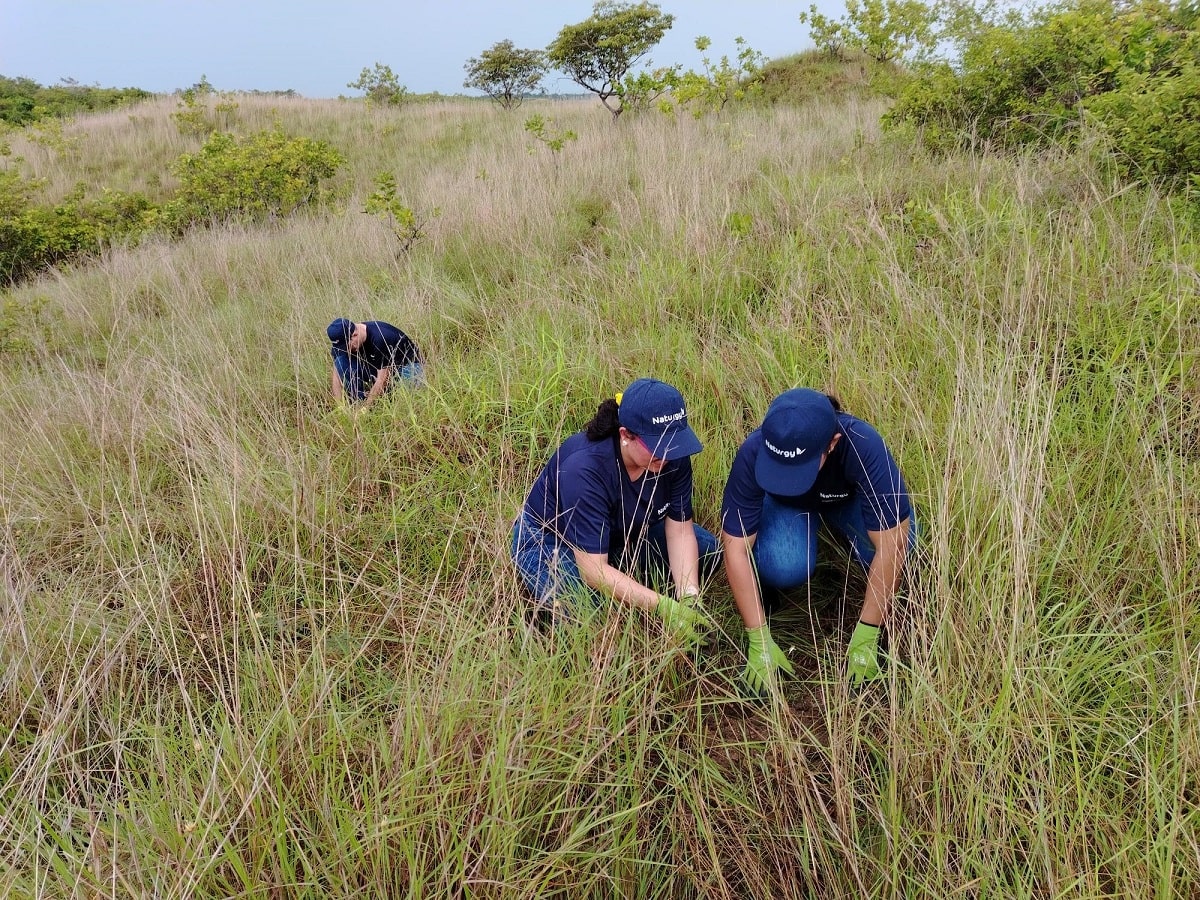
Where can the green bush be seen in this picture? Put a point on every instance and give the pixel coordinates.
(24, 101)
(194, 116)
(718, 83)
(406, 224)
(381, 86)
(1015, 85)
(264, 176)
(33, 237)
(1129, 70)
(1152, 121)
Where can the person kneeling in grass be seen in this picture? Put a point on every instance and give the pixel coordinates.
(811, 462)
(611, 513)
(367, 357)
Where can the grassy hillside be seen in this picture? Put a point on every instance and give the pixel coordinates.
(251, 647)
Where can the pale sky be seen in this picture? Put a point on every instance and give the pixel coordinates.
(316, 48)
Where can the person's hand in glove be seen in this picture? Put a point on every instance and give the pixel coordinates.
(862, 660)
(764, 660)
(687, 623)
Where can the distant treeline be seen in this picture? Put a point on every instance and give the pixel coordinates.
(24, 101)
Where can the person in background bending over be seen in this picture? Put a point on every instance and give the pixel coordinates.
(810, 462)
(610, 515)
(368, 357)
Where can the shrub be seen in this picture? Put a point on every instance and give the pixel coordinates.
(264, 176)
(1128, 69)
(194, 116)
(24, 101)
(406, 225)
(381, 86)
(33, 237)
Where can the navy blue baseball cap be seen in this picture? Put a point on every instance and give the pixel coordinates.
(655, 412)
(339, 332)
(796, 431)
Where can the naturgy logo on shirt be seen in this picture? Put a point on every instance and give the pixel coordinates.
(674, 417)
(786, 454)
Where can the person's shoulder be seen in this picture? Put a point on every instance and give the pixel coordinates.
(857, 429)
(394, 334)
(681, 466)
(751, 445)
(580, 457)
(579, 448)
(747, 455)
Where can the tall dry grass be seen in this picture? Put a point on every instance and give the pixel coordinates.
(253, 648)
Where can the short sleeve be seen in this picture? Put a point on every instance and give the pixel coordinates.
(586, 507)
(741, 505)
(681, 492)
(869, 464)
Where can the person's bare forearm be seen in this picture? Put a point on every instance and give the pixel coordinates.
(883, 575)
(380, 385)
(335, 383)
(739, 569)
(683, 554)
(599, 575)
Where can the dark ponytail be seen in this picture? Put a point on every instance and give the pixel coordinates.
(837, 406)
(605, 423)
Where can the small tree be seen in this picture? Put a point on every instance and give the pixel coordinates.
(830, 35)
(600, 51)
(651, 88)
(381, 86)
(539, 127)
(506, 73)
(720, 82)
(407, 227)
(886, 30)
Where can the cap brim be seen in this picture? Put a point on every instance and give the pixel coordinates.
(785, 479)
(679, 443)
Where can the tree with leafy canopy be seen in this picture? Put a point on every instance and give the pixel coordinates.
(600, 51)
(829, 34)
(381, 86)
(886, 30)
(506, 73)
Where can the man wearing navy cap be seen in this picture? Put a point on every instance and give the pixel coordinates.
(367, 356)
(810, 462)
(610, 515)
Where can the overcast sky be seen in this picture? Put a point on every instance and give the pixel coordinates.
(316, 48)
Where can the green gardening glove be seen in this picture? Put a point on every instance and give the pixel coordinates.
(764, 660)
(780, 658)
(862, 660)
(685, 622)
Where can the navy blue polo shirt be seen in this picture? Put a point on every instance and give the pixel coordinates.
(860, 469)
(385, 345)
(585, 496)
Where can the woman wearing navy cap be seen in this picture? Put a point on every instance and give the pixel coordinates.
(616, 498)
(808, 460)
